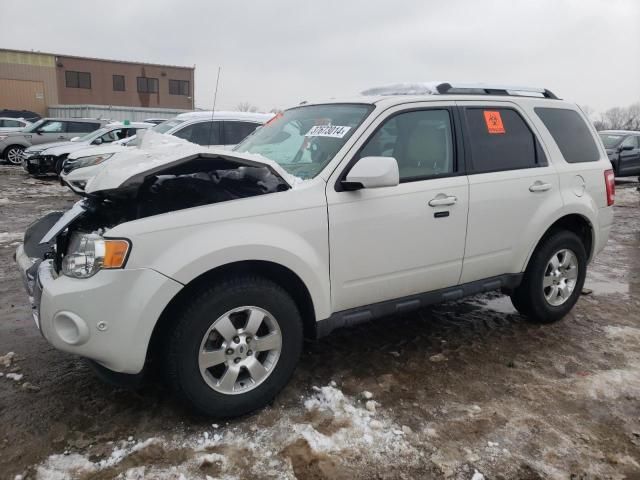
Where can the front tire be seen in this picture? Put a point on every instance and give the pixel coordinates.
(234, 347)
(13, 154)
(553, 280)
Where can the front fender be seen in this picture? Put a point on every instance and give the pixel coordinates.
(189, 252)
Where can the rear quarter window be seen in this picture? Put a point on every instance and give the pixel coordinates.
(571, 134)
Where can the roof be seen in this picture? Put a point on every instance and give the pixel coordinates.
(226, 115)
(129, 124)
(38, 52)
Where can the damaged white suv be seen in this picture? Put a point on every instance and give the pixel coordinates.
(219, 263)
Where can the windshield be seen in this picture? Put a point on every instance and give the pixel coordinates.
(611, 141)
(303, 140)
(164, 127)
(33, 127)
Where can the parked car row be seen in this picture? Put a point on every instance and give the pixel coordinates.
(216, 263)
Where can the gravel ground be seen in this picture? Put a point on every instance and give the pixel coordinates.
(458, 391)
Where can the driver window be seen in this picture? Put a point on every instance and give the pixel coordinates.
(52, 127)
(630, 142)
(421, 142)
(111, 136)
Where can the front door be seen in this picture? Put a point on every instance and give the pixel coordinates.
(629, 163)
(49, 131)
(391, 242)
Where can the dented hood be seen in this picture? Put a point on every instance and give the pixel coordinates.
(130, 168)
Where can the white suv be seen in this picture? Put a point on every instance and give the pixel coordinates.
(219, 263)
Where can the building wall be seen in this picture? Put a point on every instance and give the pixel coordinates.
(102, 93)
(27, 81)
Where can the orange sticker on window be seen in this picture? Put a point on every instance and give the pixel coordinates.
(493, 121)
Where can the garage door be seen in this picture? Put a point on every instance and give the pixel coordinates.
(22, 95)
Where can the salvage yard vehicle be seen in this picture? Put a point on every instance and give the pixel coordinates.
(8, 124)
(46, 130)
(218, 130)
(216, 264)
(623, 148)
(48, 158)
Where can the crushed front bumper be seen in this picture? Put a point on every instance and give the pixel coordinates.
(39, 164)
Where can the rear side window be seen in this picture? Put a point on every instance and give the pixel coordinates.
(499, 139)
(571, 134)
(81, 127)
(203, 133)
(235, 132)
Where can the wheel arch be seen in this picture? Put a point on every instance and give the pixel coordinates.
(573, 222)
(275, 272)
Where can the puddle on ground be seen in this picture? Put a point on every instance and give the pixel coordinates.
(604, 285)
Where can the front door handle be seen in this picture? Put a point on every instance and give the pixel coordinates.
(442, 201)
(540, 187)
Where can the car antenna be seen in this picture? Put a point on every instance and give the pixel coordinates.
(213, 108)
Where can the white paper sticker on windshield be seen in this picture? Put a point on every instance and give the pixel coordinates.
(334, 131)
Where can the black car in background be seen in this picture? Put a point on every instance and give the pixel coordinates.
(623, 149)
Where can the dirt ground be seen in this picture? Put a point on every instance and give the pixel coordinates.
(462, 390)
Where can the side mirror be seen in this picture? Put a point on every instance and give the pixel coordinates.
(39, 132)
(97, 141)
(626, 148)
(373, 172)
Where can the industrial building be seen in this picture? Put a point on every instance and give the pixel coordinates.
(63, 85)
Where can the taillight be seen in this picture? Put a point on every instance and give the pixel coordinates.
(610, 182)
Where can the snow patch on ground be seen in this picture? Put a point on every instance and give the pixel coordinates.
(356, 429)
(10, 236)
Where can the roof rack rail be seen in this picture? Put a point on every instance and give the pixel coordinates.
(447, 88)
(487, 89)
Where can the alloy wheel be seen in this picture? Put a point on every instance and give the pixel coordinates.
(560, 277)
(240, 350)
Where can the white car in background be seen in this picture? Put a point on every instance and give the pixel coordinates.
(210, 129)
(49, 158)
(8, 124)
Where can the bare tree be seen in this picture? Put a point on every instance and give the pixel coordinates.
(622, 118)
(246, 107)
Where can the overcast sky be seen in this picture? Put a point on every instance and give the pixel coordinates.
(277, 53)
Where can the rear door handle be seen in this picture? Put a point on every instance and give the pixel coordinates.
(442, 201)
(540, 187)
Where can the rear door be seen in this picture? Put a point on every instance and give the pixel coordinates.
(512, 188)
(235, 131)
(207, 133)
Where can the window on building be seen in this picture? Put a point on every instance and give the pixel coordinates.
(421, 141)
(179, 87)
(118, 83)
(571, 133)
(147, 85)
(235, 132)
(77, 79)
(500, 140)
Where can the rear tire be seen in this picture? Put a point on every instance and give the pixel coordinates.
(13, 154)
(249, 330)
(553, 280)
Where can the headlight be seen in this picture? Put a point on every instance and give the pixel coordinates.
(81, 162)
(91, 253)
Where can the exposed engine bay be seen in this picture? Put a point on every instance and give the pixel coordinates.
(202, 180)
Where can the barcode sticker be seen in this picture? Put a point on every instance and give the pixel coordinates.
(334, 131)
